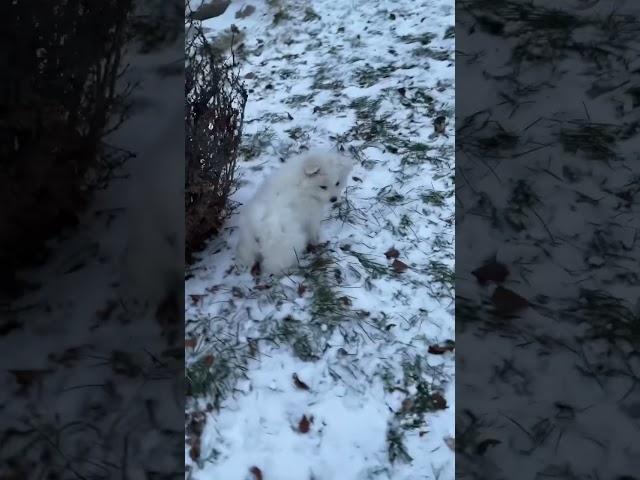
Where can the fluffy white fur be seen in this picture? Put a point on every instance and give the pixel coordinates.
(284, 216)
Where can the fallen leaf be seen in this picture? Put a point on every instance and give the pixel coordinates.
(195, 299)
(438, 401)
(491, 272)
(399, 266)
(508, 302)
(305, 424)
(392, 253)
(189, 343)
(256, 472)
(299, 383)
(301, 289)
(437, 349)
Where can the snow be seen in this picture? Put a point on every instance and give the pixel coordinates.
(390, 319)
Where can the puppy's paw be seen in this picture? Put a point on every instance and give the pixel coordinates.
(255, 270)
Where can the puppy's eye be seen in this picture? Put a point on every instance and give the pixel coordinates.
(324, 187)
(337, 184)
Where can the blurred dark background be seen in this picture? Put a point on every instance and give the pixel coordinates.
(91, 239)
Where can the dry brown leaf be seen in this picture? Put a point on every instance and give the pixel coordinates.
(305, 424)
(399, 266)
(438, 401)
(392, 253)
(440, 349)
(195, 299)
(491, 272)
(508, 302)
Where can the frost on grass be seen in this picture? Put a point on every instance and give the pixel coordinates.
(344, 367)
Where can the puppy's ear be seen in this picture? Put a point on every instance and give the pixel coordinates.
(311, 167)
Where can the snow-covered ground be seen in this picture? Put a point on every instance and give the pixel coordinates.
(343, 369)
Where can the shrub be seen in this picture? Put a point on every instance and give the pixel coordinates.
(215, 101)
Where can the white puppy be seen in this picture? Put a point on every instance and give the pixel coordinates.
(284, 216)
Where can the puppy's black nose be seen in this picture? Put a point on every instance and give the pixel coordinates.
(333, 199)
